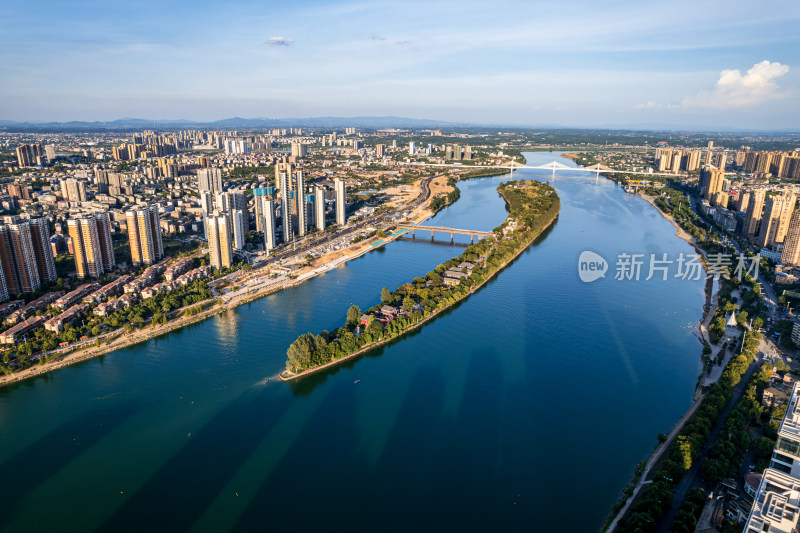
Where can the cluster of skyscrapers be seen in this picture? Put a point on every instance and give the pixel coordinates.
(30, 155)
(671, 159)
(766, 216)
(297, 207)
(757, 163)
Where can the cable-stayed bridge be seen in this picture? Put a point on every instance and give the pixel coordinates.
(554, 166)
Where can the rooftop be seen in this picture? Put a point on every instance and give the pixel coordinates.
(776, 507)
(790, 425)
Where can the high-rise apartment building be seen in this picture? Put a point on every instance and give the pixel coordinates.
(300, 203)
(234, 206)
(101, 180)
(380, 150)
(238, 227)
(775, 221)
(742, 201)
(341, 202)
(299, 149)
(144, 235)
(209, 179)
(791, 244)
(21, 251)
(712, 182)
(287, 197)
(754, 212)
(73, 190)
(18, 191)
(3, 287)
(219, 241)
(319, 208)
(86, 242)
(676, 162)
(693, 160)
(43, 252)
(268, 221)
(28, 154)
(258, 204)
(237, 146)
(764, 162)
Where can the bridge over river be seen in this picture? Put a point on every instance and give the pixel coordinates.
(441, 229)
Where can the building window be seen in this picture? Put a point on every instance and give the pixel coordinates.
(789, 446)
(782, 458)
(778, 466)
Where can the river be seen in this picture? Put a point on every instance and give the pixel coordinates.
(525, 407)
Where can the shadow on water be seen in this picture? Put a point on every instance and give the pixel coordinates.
(417, 438)
(36, 463)
(305, 386)
(454, 244)
(326, 442)
(179, 490)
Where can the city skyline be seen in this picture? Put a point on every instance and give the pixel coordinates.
(710, 65)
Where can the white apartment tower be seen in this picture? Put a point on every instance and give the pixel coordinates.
(341, 203)
(300, 199)
(268, 223)
(319, 205)
(209, 179)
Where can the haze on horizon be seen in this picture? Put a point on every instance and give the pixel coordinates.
(575, 63)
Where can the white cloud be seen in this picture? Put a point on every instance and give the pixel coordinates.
(733, 90)
(655, 105)
(279, 41)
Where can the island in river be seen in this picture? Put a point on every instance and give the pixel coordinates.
(533, 206)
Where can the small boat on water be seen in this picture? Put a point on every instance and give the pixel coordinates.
(356, 381)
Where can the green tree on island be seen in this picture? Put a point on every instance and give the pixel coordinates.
(300, 351)
(353, 315)
(386, 296)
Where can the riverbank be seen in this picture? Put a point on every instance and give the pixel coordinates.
(657, 457)
(119, 340)
(517, 219)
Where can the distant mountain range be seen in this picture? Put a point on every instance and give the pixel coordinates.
(364, 122)
(237, 122)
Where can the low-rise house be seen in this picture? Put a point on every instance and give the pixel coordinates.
(128, 300)
(19, 332)
(176, 269)
(9, 307)
(75, 296)
(156, 289)
(467, 265)
(774, 396)
(57, 323)
(454, 276)
(36, 305)
(107, 291)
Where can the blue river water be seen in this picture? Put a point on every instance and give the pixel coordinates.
(524, 408)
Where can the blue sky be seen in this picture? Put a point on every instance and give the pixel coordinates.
(578, 63)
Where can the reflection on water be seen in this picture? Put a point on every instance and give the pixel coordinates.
(477, 421)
